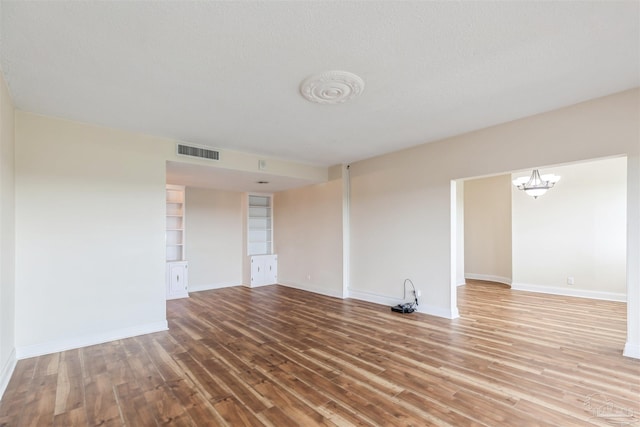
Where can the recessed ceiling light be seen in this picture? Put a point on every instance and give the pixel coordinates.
(331, 87)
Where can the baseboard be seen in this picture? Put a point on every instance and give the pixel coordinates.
(7, 371)
(488, 278)
(220, 285)
(87, 340)
(259, 285)
(313, 289)
(579, 293)
(438, 311)
(631, 350)
(178, 296)
(388, 301)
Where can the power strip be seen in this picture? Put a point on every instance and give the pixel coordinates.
(403, 308)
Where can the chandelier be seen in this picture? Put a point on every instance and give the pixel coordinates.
(536, 185)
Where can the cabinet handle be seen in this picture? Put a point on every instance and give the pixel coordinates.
(258, 269)
(177, 278)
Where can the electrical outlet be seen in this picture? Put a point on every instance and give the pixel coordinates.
(309, 277)
(570, 280)
(419, 293)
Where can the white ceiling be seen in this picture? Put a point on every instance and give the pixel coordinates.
(201, 176)
(227, 73)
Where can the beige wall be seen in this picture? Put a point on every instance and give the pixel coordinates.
(7, 236)
(90, 215)
(213, 238)
(577, 229)
(308, 237)
(90, 218)
(90, 222)
(401, 202)
(487, 228)
(632, 346)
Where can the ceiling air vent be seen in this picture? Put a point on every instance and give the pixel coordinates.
(201, 152)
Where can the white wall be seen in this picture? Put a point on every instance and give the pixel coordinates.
(213, 238)
(401, 202)
(90, 212)
(632, 346)
(308, 237)
(487, 228)
(90, 231)
(90, 259)
(400, 228)
(7, 237)
(459, 230)
(577, 229)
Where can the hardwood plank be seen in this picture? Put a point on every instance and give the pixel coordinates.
(70, 386)
(341, 416)
(134, 408)
(100, 401)
(200, 410)
(71, 417)
(296, 409)
(206, 384)
(276, 356)
(243, 393)
(40, 406)
(235, 413)
(166, 408)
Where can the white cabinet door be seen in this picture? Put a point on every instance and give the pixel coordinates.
(264, 270)
(271, 269)
(177, 279)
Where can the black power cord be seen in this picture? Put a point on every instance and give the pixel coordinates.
(408, 307)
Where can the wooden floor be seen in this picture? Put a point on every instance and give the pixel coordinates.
(281, 357)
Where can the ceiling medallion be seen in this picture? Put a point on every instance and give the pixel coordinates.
(332, 87)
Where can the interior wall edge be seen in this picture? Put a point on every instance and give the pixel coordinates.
(7, 371)
(25, 352)
(579, 293)
(313, 289)
(389, 301)
(212, 286)
(631, 350)
(488, 278)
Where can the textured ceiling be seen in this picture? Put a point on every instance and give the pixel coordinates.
(227, 74)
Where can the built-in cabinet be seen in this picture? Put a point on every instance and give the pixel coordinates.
(264, 270)
(264, 263)
(177, 266)
(177, 279)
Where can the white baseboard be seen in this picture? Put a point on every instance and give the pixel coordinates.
(178, 296)
(488, 278)
(314, 289)
(580, 293)
(34, 350)
(372, 297)
(7, 371)
(385, 300)
(219, 285)
(631, 350)
(259, 285)
(439, 311)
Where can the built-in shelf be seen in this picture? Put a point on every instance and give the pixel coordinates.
(175, 234)
(259, 226)
(177, 268)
